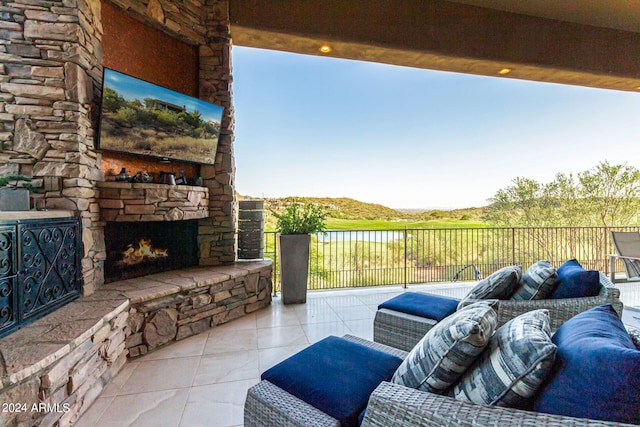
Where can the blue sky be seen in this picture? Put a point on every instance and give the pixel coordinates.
(131, 88)
(413, 138)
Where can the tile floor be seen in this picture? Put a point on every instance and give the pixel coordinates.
(203, 380)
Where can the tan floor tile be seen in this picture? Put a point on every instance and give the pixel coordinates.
(91, 417)
(225, 367)
(318, 331)
(281, 337)
(242, 323)
(225, 340)
(192, 346)
(360, 312)
(277, 317)
(115, 386)
(317, 314)
(338, 302)
(361, 328)
(377, 298)
(165, 374)
(157, 409)
(219, 405)
(272, 356)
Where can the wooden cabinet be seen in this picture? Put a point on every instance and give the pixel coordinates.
(40, 268)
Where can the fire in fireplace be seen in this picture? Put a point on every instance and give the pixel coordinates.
(137, 249)
(141, 252)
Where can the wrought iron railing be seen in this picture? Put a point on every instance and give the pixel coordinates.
(345, 259)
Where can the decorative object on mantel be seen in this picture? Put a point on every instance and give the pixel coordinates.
(167, 178)
(14, 193)
(123, 176)
(143, 177)
(181, 180)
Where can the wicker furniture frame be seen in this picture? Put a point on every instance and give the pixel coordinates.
(403, 331)
(394, 405)
(269, 405)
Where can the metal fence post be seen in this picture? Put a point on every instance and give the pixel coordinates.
(405, 258)
(513, 245)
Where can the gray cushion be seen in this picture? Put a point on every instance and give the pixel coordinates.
(537, 282)
(513, 366)
(444, 353)
(499, 285)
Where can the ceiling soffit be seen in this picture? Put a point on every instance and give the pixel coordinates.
(445, 36)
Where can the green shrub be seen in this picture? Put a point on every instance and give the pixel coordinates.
(145, 116)
(166, 117)
(125, 116)
(298, 218)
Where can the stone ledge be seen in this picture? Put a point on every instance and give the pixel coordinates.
(39, 345)
(148, 288)
(148, 185)
(124, 201)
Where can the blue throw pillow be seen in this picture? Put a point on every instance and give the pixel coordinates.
(335, 376)
(597, 370)
(423, 305)
(576, 282)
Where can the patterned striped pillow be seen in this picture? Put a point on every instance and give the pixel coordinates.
(514, 364)
(499, 285)
(445, 352)
(537, 282)
(634, 333)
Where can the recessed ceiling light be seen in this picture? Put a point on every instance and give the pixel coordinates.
(504, 71)
(325, 48)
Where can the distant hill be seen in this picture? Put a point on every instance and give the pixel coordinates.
(346, 208)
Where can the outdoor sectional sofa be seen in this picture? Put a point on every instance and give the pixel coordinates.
(401, 330)
(395, 405)
(587, 372)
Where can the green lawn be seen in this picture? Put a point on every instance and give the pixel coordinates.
(348, 224)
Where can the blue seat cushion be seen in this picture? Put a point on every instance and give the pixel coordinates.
(335, 376)
(423, 305)
(597, 370)
(576, 282)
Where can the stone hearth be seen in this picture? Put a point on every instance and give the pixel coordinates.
(65, 360)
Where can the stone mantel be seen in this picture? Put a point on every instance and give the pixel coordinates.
(24, 215)
(124, 201)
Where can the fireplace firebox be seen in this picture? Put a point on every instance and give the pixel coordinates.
(137, 249)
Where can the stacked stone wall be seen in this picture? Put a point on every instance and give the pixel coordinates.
(152, 202)
(50, 81)
(49, 70)
(59, 393)
(206, 24)
(217, 240)
(220, 299)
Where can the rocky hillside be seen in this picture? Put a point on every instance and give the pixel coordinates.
(346, 208)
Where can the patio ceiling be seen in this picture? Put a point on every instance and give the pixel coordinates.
(581, 42)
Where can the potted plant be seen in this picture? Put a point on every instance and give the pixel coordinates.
(294, 225)
(14, 193)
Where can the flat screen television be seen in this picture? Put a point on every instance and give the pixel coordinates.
(142, 118)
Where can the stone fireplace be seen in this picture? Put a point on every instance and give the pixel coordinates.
(52, 54)
(150, 227)
(137, 249)
(51, 58)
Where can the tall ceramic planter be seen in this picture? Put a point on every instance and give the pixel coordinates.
(294, 267)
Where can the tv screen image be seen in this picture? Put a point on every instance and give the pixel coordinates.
(143, 118)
